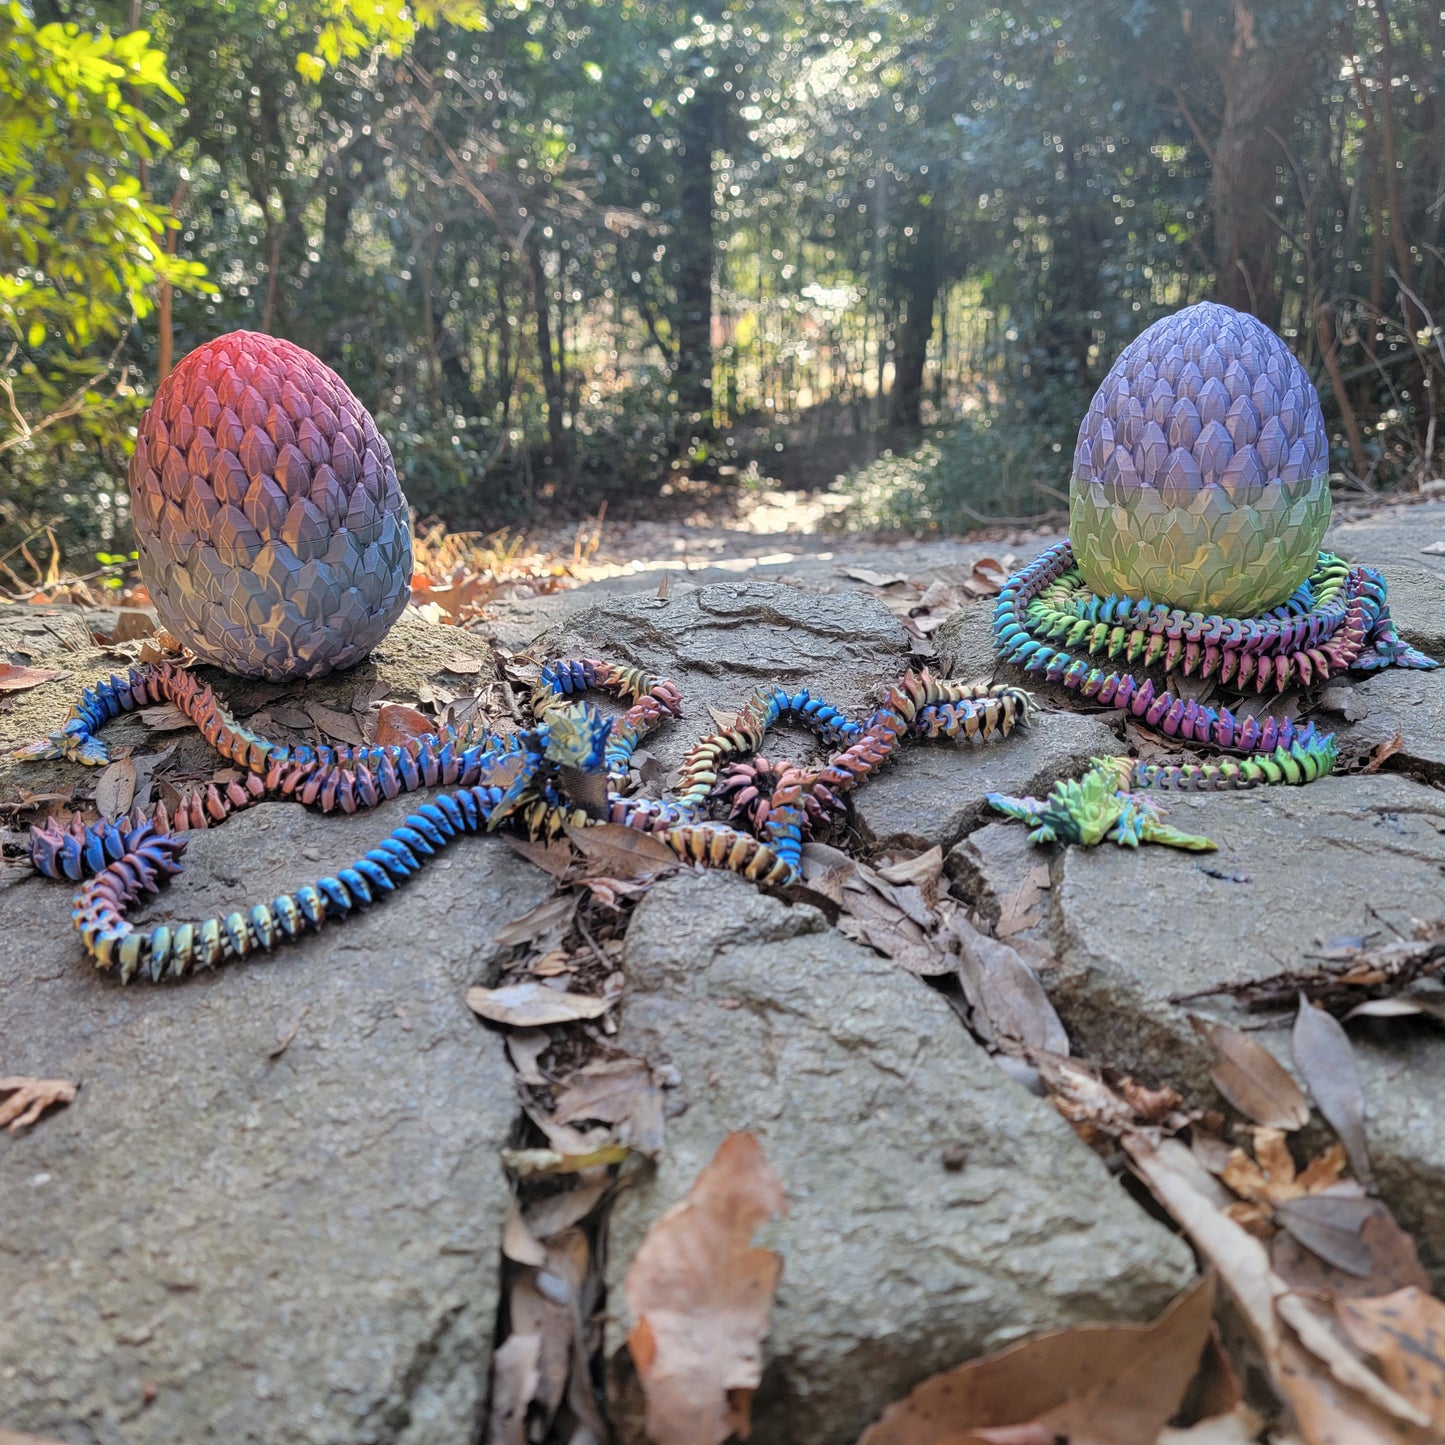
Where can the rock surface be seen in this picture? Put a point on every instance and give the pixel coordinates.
(856, 1079)
(296, 1245)
(1345, 857)
(413, 652)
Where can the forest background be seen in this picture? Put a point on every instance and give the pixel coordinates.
(576, 251)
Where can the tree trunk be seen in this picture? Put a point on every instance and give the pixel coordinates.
(917, 285)
(551, 379)
(694, 245)
(1260, 78)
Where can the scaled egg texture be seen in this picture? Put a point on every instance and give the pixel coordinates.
(1201, 475)
(273, 535)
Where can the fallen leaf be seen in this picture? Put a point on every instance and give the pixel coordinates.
(1435, 549)
(1394, 1262)
(700, 1295)
(874, 579)
(550, 918)
(1307, 1367)
(1326, 1058)
(115, 789)
(518, 1242)
(1017, 911)
(1091, 1385)
(615, 851)
(165, 718)
(1331, 1226)
(1005, 994)
(15, 678)
(132, 624)
(534, 1005)
(30, 1098)
(1382, 753)
(398, 723)
(459, 664)
(341, 727)
(608, 1089)
(724, 722)
(515, 1377)
(1253, 1080)
(1403, 1005)
(664, 587)
(923, 869)
(1405, 1332)
(556, 857)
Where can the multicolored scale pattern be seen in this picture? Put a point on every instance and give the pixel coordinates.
(1201, 470)
(273, 535)
(521, 779)
(1049, 623)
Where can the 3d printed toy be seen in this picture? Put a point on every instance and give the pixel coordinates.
(1201, 476)
(273, 535)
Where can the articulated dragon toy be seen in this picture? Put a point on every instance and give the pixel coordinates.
(531, 780)
(1200, 490)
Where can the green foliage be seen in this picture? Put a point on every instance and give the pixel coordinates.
(81, 244)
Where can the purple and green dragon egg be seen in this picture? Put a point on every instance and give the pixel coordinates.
(274, 537)
(1201, 475)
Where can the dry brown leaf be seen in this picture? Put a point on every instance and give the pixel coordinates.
(515, 1378)
(15, 678)
(1326, 1058)
(1335, 1398)
(1092, 1385)
(1240, 1426)
(1394, 1262)
(341, 727)
(534, 1005)
(1018, 910)
(518, 1242)
(1405, 1332)
(1382, 753)
(133, 623)
(549, 919)
(30, 1098)
(165, 718)
(923, 869)
(15, 1437)
(1008, 1002)
(874, 579)
(701, 1294)
(1253, 1080)
(461, 665)
(398, 723)
(614, 851)
(556, 857)
(115, 789)
(607, 1089)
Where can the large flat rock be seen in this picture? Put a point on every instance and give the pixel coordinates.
(857, 1079)
(1342, 858)
(298, 1246)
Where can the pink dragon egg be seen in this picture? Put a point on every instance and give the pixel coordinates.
(273, 534)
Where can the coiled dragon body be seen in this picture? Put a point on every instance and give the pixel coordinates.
(1048, 623)
(534, 780)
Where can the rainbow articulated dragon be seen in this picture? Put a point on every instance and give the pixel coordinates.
(531, 780)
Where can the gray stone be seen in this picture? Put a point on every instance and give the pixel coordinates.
(991, 863)
(965, 644)
(1344, 857)
(1374, 709)
(296, 1246)
(30, 632)
(932, 794)
(856, 1077)
(412, 653)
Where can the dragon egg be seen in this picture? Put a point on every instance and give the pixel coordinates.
(273, 534)
(1201, 477)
